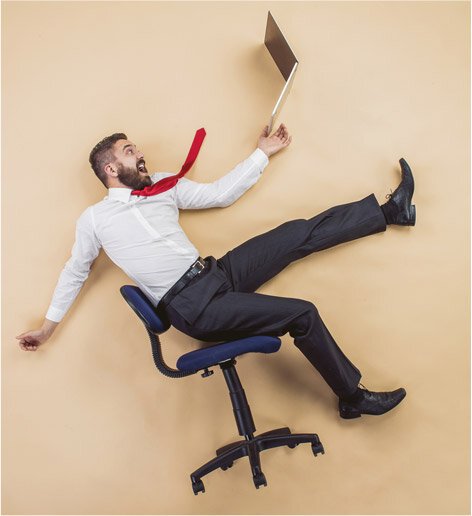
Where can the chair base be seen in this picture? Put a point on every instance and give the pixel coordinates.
(251, 447)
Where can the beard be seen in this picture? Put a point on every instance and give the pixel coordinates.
(132, 178)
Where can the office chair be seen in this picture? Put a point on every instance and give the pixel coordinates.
(223, 355)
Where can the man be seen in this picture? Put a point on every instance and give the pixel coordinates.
(215, 299)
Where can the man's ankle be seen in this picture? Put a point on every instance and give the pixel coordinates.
(352, 398)
(389, 211)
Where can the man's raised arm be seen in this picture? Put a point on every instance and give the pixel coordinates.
(227, 189)
(71, 279)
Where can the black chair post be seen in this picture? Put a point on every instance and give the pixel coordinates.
(242, 412)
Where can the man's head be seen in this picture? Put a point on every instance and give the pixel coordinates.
(117, 162)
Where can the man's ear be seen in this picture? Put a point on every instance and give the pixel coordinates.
(110, 170)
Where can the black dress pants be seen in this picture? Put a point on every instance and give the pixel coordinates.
(221, 304)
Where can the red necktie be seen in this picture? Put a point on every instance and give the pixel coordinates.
(168, 182)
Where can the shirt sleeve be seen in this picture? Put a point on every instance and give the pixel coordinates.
(223, 191)
(76, 269)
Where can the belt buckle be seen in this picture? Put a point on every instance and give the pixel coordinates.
(199, 265)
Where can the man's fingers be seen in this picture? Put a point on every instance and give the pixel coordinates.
(28, 347)
(281, 132)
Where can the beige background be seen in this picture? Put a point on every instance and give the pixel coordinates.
(89, 425)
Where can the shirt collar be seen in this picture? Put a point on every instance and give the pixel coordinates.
(119, 194)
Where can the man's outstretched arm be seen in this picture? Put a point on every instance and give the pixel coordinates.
(71, 280)
(227, 189)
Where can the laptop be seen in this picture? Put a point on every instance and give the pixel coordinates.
(285, 60)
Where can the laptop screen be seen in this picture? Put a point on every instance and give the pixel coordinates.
(279, 48)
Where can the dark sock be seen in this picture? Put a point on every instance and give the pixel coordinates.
(389, 212)
(356, 396)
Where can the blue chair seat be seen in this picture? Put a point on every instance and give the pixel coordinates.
(212, 355)
(200, 358)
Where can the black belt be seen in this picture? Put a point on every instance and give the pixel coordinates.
(194, 270)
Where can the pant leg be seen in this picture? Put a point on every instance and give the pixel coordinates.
(259, 259)
(232, 315)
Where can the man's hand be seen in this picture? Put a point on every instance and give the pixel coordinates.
(31, 340)
(272, 144)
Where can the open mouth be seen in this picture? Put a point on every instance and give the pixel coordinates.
(142, 167)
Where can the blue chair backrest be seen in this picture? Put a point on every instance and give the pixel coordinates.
(144, 309)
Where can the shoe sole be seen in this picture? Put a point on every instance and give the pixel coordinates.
(406, 170)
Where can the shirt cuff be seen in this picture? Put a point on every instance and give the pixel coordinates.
(260, 158)
(55, 315)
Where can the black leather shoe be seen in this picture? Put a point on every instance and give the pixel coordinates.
(399, 209)
(373, 403)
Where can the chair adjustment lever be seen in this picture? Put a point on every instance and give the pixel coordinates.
(208, 372)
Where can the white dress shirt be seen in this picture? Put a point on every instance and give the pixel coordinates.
(142, 235)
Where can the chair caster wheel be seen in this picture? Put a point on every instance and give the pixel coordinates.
(226, 466)
(259, 480)
(292, 446)
(317, 448)
(198, 487)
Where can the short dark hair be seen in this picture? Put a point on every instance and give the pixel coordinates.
(102, 154)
